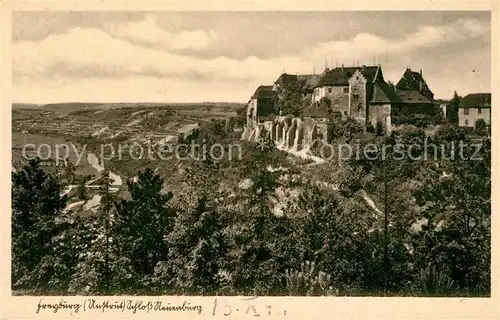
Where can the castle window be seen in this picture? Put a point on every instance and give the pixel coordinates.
(466, 122)
(345, 113)
(357, 78)
(360, 107)
(336, 102)
(346, 90)
(479, 111)
(329, 90)
(466, 111)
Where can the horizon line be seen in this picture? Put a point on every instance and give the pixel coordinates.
(124, 102)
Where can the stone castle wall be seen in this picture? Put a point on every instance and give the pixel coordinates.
(380, 113)
(289, 132)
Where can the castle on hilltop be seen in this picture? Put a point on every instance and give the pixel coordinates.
(359, 92)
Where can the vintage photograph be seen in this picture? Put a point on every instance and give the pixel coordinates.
(251, 153)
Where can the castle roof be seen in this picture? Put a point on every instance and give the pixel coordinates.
(264, 92)
(412, 80)
(384, 93)
(476, 100)
(309, 80)
(412, 97)
(286, 79)
(341, 75)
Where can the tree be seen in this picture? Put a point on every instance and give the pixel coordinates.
(291, 99)
(452, 112)
(60, 266)
(439, 116)
(449, 132)
(82, 189)
(253, 262)
(69, 172)
(329, 230)
(344, 129)
(143, 221)
(327, 101)
(196, 250)
(480, 127)
(457, 239)
(36, 202)
(102, 268)
(379, 128)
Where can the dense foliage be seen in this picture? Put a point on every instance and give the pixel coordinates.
(275, 231)
(452, 112)
(291, 99)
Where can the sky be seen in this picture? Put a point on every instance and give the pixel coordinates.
(91, 56)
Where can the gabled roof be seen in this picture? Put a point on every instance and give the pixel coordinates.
(412, 80)
(341, 75)
(286, 78)
(476, 100)
(412, 97)
(309, 80)
(264, 92)
(384, 93)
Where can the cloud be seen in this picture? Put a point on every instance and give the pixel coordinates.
(366, 45)
(148, 31)
(93, 52)
(119, 53)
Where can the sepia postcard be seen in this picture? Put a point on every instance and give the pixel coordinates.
(223, 160)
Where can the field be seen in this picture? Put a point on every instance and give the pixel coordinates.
(85, 127)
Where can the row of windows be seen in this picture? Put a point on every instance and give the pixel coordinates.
(330, 90)
(344, 90)
(466, 111)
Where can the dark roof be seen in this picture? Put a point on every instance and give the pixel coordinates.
(317, 110)
(286, 78)
(341, 75)
(441, 101)
(412, 97)
(384, 93)
(264, 92)
(412, 80)
(309, 80)
(476, 100)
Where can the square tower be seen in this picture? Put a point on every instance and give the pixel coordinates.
(357, 96)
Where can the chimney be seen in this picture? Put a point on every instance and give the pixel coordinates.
(342, 67)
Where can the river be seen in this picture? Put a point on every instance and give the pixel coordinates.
(116, 179)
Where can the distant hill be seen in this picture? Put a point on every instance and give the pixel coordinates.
(71, 106)
(26, 106)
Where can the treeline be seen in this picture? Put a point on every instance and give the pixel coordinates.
(429, 236)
